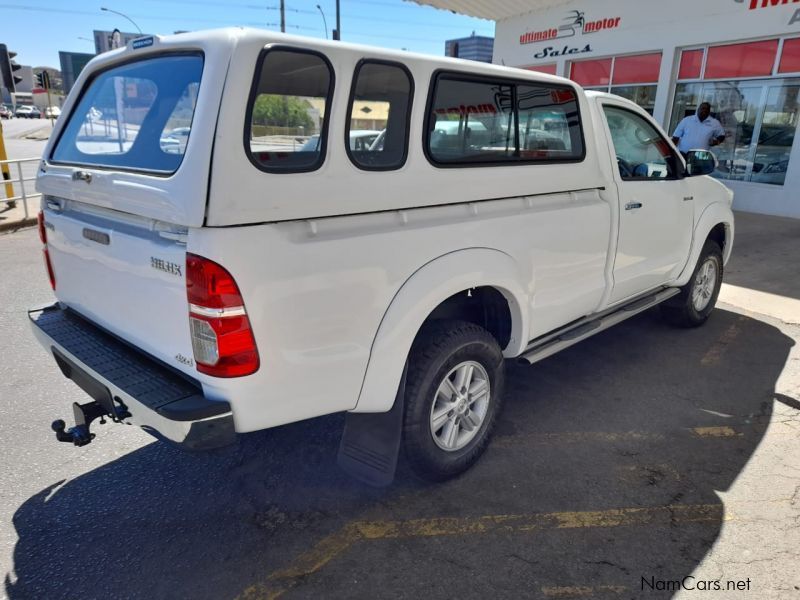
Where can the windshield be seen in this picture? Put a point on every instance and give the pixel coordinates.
(136, 116)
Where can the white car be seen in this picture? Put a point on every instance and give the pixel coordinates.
(52, 112)
(26, 111)
(239, 285)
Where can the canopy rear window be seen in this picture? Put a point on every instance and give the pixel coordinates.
(136, 116)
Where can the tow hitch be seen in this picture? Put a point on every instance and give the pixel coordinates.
(102, 406)
(80, 435)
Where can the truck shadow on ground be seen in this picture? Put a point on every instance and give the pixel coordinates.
(604, 469)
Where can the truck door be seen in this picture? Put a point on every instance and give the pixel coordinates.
(656, 210)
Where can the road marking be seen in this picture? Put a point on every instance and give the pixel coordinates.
(716, 432)
(575, 437)
(714, 354)
(337, 543)
(580, 591)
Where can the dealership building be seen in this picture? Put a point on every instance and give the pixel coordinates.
(668, 56)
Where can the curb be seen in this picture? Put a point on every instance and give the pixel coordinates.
(15, 225)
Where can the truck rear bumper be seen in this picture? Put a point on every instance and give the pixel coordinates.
(129, 386)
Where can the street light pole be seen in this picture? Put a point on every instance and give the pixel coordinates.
(323, 21)
(103, 8)
(338, 35)
(283, 16)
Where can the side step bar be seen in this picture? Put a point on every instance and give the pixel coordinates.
(563, 338)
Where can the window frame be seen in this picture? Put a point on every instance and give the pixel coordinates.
(351, 101)
(85, 88)
(513, 82)
(251, 100)
(679, 168)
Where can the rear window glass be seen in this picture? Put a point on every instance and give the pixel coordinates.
(136, 116)
(288, 110)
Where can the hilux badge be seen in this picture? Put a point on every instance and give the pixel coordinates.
(166, 266)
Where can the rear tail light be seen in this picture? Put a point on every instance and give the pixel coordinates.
(43, 237)
(222, 339)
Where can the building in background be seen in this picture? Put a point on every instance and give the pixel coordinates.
(474, 47)
(742, 57)
(72, 63)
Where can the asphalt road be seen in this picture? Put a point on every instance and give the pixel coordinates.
(633, 460)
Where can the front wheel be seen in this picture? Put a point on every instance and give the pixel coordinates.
(454, 393)
(697, 298)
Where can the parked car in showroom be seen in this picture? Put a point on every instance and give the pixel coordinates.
(28, 112)
(237, 285)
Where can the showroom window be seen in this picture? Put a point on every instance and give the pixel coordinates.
(757, 108)
(633, 77)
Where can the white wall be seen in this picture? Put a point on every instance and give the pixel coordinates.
(665, 26)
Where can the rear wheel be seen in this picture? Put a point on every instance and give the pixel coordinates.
(453, 396)
(697, 298)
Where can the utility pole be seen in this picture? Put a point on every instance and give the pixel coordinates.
(337, 34)
(283, 16)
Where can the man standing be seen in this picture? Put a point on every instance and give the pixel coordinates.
(700, 131)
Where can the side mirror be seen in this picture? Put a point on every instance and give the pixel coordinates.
(700, 162)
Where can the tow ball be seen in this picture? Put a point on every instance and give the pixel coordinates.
(85, 414)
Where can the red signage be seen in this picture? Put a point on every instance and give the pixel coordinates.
(754, 4)
(575, 24)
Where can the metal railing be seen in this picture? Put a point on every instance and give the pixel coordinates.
(26, 193)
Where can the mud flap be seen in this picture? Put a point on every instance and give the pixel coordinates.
(371, 442)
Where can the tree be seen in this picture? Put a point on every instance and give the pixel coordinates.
(282, 111)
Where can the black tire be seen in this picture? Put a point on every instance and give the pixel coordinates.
(680, 309)
(439, 348)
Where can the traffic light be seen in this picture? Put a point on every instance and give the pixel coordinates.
(43, 80)
(7, 68)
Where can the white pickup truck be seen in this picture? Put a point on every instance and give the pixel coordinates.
(215, 273)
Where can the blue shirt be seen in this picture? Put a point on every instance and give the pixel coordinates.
(695, 134)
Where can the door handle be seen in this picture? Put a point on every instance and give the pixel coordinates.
(633, 205)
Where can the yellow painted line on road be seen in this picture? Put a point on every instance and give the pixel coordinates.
(716, 432)
(582, 591)
(337, 543)
(714, 354)
(575, 437)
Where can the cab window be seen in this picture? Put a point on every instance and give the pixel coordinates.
(641, 152)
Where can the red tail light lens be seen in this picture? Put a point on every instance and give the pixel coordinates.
(42, 231)
(49, 266)
(47, 263)
(222, 338)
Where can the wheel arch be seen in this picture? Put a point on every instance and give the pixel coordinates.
(716, 222)
(428, 288)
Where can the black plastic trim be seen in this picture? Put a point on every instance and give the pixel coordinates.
(248, 117)
(351, 100)
(510, 81)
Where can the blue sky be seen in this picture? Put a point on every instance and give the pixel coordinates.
(38, 29)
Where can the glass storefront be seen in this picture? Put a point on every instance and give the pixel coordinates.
(760, 116)
(633, 77)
